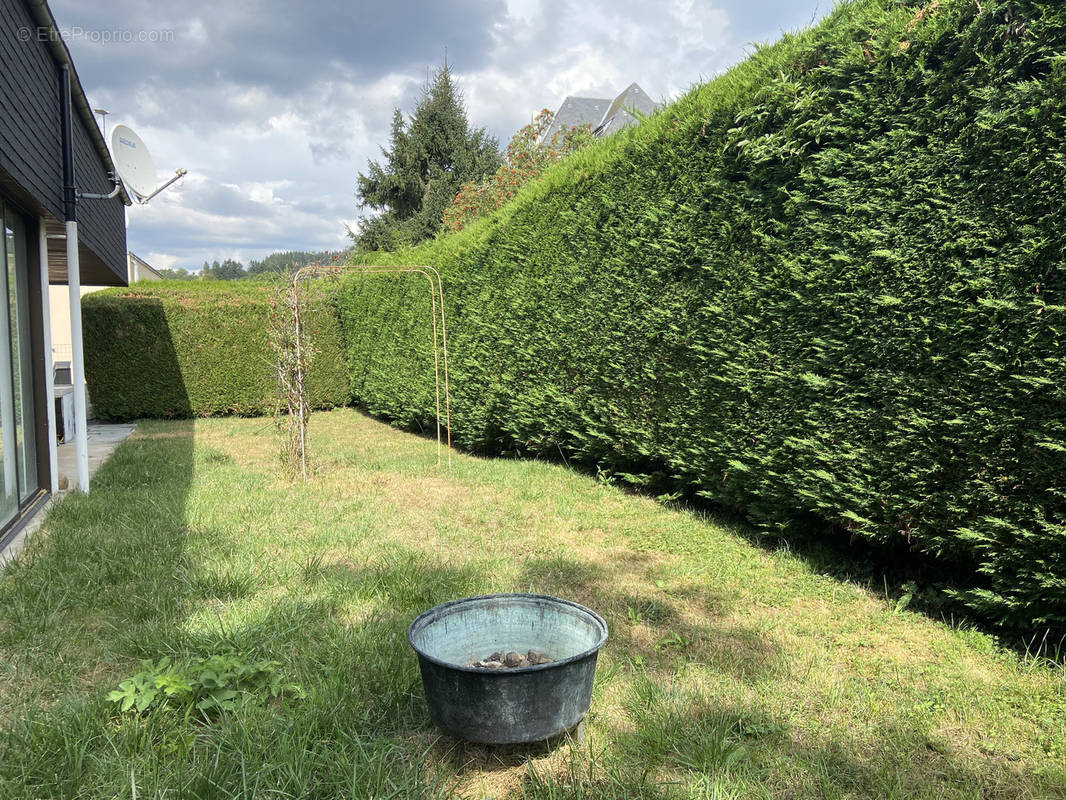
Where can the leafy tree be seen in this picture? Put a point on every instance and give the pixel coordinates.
(173, 274)
(526, 158)
(428, 158)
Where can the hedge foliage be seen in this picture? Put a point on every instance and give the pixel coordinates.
(198, 348)
(829, 282)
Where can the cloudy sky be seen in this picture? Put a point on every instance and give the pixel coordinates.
(275, 106)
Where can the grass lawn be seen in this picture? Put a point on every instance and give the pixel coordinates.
(730, 672)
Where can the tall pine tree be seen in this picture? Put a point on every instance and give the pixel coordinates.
(429, 156)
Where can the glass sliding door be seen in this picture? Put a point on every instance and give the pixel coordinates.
(18, 302)
(9, 498)
(18, 451)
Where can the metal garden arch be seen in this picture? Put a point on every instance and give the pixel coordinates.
(440, 344)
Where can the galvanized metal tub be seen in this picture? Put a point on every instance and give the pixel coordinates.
(507, 706)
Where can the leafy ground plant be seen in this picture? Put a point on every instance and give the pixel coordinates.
(207, 686)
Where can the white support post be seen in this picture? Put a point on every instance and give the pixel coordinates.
(49, 375)
(81, 431)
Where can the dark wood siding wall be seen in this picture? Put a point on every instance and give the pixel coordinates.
(30, 145)
(30, 142)
(101, 223)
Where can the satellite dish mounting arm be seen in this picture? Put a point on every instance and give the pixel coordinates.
(114, 192)
(141, 199)
(178, 174)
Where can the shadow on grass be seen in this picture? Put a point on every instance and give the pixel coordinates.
(471, 758)
(107, 560)
(113, 581)
(103, 575)
(656, 628)
(678, 736)
(897, 571)
(354, 734)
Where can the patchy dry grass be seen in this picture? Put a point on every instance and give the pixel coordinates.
(731, 671)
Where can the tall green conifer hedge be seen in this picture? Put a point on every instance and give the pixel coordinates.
(829, 282)
(198, 348)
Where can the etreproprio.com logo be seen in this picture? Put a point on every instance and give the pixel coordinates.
(97, 35)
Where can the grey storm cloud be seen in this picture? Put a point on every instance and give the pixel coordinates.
(278, 44)
(274, 107)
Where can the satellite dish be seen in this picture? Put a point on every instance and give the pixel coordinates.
(132, 160)
(134, 164)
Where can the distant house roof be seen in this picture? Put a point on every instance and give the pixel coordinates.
(619, 115)
(577, 111)
(602, 115)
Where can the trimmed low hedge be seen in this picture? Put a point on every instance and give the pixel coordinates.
(828, 283)
(193, 348)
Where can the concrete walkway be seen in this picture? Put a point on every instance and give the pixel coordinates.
(103, 439)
